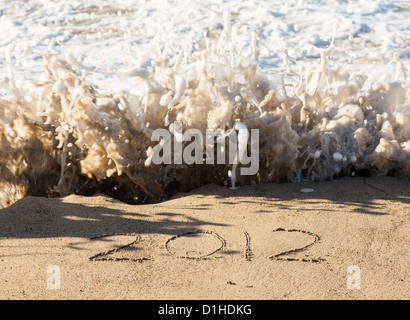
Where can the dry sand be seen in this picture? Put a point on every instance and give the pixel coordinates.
(213, 243)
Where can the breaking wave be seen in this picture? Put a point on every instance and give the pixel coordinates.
(318, 123)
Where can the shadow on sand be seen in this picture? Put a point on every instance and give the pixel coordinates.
(56, 217)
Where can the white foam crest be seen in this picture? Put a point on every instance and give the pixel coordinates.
(65, 134)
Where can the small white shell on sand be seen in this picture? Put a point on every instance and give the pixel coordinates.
(306, 190)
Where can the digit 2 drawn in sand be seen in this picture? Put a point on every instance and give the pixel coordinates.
(279, 255)
(202, 256)
(102, 256)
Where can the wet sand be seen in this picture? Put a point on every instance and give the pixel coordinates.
(348, 239)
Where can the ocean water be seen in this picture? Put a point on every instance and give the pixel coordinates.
(84, 84)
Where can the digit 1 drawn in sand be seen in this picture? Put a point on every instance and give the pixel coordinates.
(279, 255)
(201, 256)
(247, 253)
(102, 256)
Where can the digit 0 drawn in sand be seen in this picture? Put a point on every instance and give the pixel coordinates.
(279, 255)
(196, 252)
(102, 256)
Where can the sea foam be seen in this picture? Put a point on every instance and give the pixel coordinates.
(62, 136)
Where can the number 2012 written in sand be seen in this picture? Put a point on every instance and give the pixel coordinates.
(247, 251)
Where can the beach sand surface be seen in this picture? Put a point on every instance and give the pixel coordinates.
(347, 239)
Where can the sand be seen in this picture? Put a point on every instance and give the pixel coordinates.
(214, 243)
